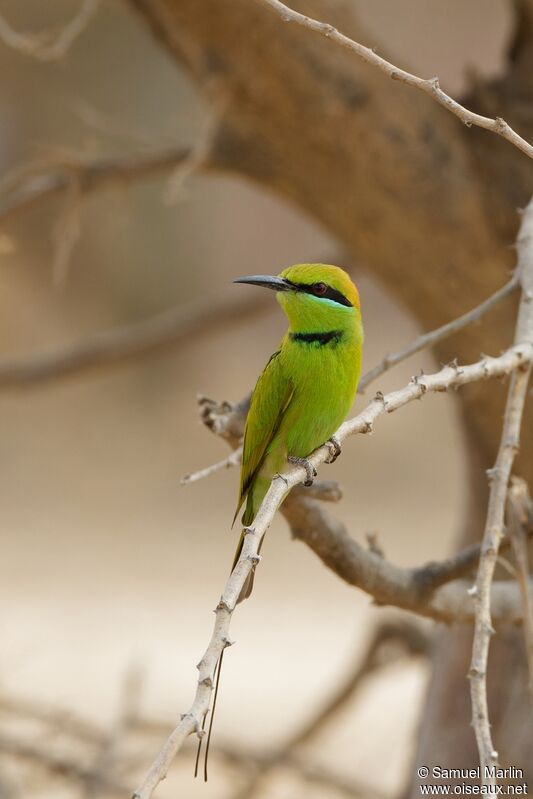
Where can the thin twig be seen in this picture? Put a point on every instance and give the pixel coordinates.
(439, 334)
(518, 512)
(38, 181)
(449, 377)
(226, 463)
(499, 478)
(428, 86)
(39, 45)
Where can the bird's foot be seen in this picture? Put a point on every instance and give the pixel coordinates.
(310, 470)
(335, 449)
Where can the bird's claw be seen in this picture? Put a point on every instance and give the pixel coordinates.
(310, 470)
(335, 449)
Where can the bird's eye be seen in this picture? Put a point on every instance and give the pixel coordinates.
(319, 289)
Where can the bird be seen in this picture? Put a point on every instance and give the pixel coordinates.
(302, 396)
(308, 385)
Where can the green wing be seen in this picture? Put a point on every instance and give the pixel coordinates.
(270, 399)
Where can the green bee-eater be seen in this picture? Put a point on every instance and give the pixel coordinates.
(308, 385)
(304, 392)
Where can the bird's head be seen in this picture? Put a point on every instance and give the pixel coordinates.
(315, 297)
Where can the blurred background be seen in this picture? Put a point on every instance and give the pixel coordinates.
(109, 568)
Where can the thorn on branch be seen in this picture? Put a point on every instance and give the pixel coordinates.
(416, 379)
(380, 397)
(373, 544)
(492, 473)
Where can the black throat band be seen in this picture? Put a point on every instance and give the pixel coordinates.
(331, 337)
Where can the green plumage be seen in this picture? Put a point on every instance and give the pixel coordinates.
(308, 386)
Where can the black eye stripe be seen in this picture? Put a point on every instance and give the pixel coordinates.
(330, 294)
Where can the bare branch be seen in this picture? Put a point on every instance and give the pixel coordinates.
(39, 181)
(432, 590)
(448, 602)
(329, 539)
(433, 337)
(499, 477)
(157, 333)
(519, 510)
(226, 463)
(428, 86)
(40, 46)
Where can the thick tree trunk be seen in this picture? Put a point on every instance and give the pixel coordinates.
(429, 206)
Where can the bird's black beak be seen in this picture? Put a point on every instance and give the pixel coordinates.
(267, 281)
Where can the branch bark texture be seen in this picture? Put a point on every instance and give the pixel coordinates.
(500, 476)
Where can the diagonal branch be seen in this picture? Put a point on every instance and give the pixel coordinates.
(439, 334)
(36, 182)
(499, 477)
(155, 334)
(429, 86)
(447, 603)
